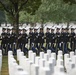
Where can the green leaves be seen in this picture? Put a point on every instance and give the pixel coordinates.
(42, 10)
(70, 1)
(2, 17)
(32, 6)
(56, 11)
(10, 6)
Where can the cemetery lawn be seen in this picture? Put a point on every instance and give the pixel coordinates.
(4, 70)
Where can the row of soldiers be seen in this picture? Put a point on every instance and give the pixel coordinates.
(38, 41)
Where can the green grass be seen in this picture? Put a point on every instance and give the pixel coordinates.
(4, 70)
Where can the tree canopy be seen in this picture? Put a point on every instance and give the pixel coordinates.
(2, 17)
(13, 8)
(70, 1)
(56, 11)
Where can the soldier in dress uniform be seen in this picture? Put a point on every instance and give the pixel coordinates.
(35, 46)
(24, 40)
(47, 37)
(31, 37)
(3, 43)
(64, 40)
(72, 39)
(67, 36)
(13, 39)
(35, 37)
(8, 39)
(40, 39)
(52, 40)
(20, 39)
(57, 38)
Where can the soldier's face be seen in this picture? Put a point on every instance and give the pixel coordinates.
(41, 30)
(57, 30)
(47, 30)
(24, 31)
(35, 30)
(31, 30)
(3, 30)
(8, 31)
(72, 30)
(67, 30)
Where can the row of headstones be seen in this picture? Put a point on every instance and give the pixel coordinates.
(44, 64)
(13, 67)
(48, 63)
(70, 63)
(0, 60)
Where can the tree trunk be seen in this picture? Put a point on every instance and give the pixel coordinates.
(16, 25)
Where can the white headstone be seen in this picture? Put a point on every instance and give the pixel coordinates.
(53, 59)
(66, 56)
(33, 57)
(59, 62)
(18, 51)
(34, 69)
(30, 54)
(50, 65)
(59, 70)
(37, 60)
(49, 53)
(71, 54)
(59, 56)
(46, 57)
(53, 55)
(60, 52)
(42, 63)
(70, 67)
(41, 55)
(0, 61)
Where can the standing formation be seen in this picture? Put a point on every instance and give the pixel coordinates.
(37, 40)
